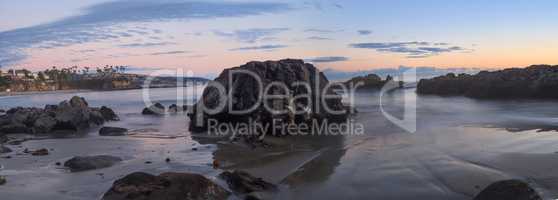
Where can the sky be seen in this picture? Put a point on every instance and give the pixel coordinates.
(347, 35)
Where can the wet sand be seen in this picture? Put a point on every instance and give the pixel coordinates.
(461, 146)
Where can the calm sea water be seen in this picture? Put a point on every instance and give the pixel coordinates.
(461, 145)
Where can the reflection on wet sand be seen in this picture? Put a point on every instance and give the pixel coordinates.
(290, 160)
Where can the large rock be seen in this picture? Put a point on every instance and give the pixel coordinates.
(245, 94)
(508, 190)
(67, 116)
(112, 131)
(83, 163)
(169, 186)
(538, 81)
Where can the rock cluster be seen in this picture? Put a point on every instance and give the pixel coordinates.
(144, 186)
(508, 190)
(537, 81)
(72, 115)
(245, 93)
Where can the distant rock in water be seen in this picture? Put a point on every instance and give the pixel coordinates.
(185, 186)
(508, 190)
(155, 109)
(537, 81)
(83, 163)
(72, 115)
(370, 81)
(244, 89)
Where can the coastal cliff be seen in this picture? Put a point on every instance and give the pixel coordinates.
(536, 81)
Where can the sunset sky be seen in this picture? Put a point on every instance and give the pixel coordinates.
(207, 36)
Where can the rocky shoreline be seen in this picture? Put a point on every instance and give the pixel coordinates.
(537, 81)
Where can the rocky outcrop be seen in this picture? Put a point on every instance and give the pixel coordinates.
(155, 109)
(245, 184)
(112, 131)
(184, 186)
(369, 82)
(508, 190)
(245, 94)
(72, 115)
(84, 163)
(538, 81)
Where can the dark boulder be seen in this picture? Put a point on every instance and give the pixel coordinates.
(3, 180)
(508, 190)
(170, 186)
(173, 108)
(84, 163)
(538, 81)
(155, 109)
(245, 94)
(112, 131)
(243, 183)
(109, 114)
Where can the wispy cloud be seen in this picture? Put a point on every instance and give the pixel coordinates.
(327, 59)
(411, 49)
(250, 35)
(168, 53)
(364, 32)
(318, 38)
(147, 44)
(96, 22)
(317, 30)
(262, 47)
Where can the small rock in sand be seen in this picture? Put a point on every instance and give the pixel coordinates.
(508, 190)
(112, 131)
(83, 163)
(243, 183)
(2, 180)
(144, 186)
(40, 152)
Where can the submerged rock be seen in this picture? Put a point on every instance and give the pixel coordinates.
(537, 81)
(508, 190)
(83, 163)
(155, 109)
(183, 186)
(295, 75)
(243, 183)
(4, 149)
(112, 131)
(67, 116)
